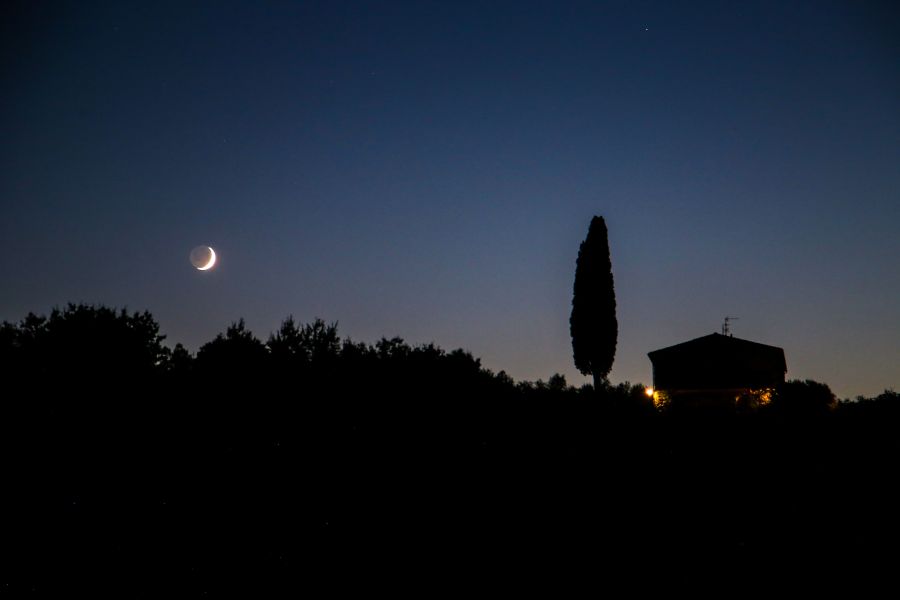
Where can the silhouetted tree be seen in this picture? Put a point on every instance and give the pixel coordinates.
(179, 361)
(885, 406)
(321, 342)
(356, 353)
(10, 348)
(86, 342)
(593, 322)
(28, 340)
(557, 383)
(234, 355)
(803, 398)
(288, 349)
(394, 349)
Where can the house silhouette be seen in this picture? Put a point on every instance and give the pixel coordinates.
(717, 370)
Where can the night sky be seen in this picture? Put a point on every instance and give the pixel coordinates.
(428, 170)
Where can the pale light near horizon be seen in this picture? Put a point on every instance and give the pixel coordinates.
(203, 258)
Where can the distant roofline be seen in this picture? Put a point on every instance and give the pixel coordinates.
(714, 336)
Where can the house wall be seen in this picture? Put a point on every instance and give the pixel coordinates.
(714, 373)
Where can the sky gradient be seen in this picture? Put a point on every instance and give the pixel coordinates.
(428, 170)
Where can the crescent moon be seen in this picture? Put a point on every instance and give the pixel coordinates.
(212, 261)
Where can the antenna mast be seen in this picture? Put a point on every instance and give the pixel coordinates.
(725, 328)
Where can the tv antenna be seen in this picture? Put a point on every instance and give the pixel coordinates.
(726, 330)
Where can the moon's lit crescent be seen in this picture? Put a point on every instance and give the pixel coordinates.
(212, 261)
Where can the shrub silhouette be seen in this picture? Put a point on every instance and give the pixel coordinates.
(798, 398)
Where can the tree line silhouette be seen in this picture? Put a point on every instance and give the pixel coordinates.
(117, 351)
(255, 462)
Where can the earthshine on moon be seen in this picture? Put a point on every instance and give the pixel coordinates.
(203, 258)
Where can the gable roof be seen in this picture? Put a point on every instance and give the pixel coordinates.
(721, 346)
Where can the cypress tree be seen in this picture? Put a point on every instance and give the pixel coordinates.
(593, 322)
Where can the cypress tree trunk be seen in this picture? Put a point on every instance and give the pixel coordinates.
(593, 322)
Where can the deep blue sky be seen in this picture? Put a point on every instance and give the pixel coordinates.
(428, 169)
